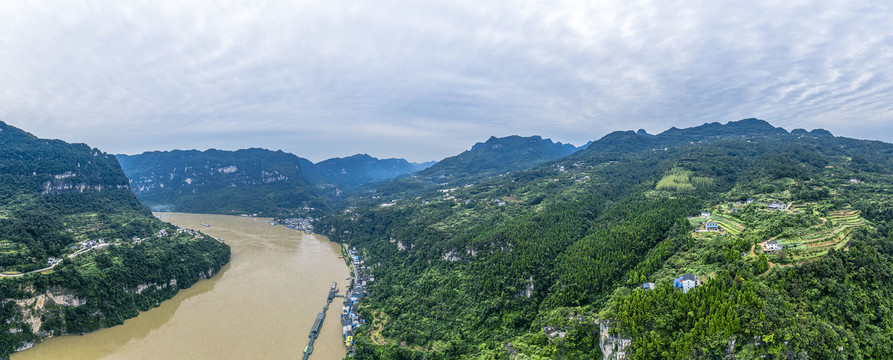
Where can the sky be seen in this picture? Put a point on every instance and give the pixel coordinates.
(424, 80)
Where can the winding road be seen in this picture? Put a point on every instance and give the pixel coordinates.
(70, 256)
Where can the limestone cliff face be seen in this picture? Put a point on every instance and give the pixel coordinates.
(613, 347)
(34, 307)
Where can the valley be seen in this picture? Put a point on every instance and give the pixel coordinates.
(704, 242)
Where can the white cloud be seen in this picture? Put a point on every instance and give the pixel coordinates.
(424, 80)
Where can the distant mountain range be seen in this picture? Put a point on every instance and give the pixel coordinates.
(218, 181)
(228, 182)
(358, 169)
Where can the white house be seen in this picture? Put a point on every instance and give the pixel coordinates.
(705, 213)
(689, 281)
(773, 246)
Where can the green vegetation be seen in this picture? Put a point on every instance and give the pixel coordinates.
(536, 263)
(684, 181)
(71, 202)
(249, 181)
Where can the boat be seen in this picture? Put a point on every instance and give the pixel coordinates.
(206, 225)
(317, 325)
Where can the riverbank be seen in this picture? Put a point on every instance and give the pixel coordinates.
(361, 277)
(259, 306)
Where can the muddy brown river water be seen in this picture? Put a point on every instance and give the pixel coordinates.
(260, 306)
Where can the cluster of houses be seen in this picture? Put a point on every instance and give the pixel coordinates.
(689, 281)
(350, 319)
(86, 244)
(186, 231)
(304, 224)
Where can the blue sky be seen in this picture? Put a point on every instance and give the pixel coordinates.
(427, 79)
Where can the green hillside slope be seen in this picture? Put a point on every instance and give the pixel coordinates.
(71, 230)
(223, 182)
(549, 262)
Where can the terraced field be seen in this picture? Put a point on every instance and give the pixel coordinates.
(817, 243)
(731, 225)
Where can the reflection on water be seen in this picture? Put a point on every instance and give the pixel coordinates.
(260, 306)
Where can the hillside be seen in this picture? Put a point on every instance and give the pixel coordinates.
(229, 182)
(358, 170)
(494, 157)
(76, 244)
(549, 262)
(498, 155)
(224, 182)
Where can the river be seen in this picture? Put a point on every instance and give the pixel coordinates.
(259, 306)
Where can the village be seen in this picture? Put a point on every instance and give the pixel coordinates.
(350, 319)
(300, 223)
(85, 246)
(830, 230)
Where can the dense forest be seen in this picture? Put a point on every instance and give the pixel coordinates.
(71, 230)
(549, 262)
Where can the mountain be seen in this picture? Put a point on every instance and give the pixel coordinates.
(498, 155)
(494, 157)
(357, 170)
(624, 141)
(218, 181)
(424, 165)
(228, 182)
(550, 261)
(71, 231)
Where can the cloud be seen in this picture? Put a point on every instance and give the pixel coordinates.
(425, 80)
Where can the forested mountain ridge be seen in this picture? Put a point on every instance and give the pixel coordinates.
(549, 262)
(358, 170)
(498, 155)
(217, 181)
(493, 157)
(230, 182)
(78, 251)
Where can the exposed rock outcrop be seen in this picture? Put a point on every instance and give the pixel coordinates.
(613, 347)
(32, 308)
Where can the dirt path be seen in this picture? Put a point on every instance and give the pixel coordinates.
(375, 334)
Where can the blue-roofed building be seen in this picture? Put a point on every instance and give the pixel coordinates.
(712, 226)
